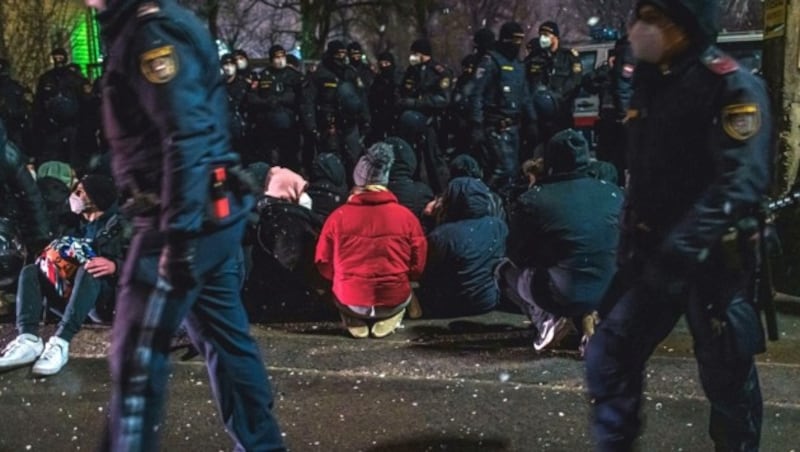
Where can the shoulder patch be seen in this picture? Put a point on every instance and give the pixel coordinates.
(159, 65)
(444, 83)
(741, 121)
(577, 68)
(147, 9)
(439, 69)
(575, 52)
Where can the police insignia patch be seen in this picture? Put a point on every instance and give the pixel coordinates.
(444, 83)
(741, 121)
(159, 65)
(574, 52)
(577, 68)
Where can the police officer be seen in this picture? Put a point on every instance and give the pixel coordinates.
(274, 109)
(382, 98)
(500, 103)
(243, 66)
(165, 112)
(424, 97)
(613, 83)
(554, 74)
(701, 131)
(14, 108)
(335, 106)
(237, 89)
(20, 199)
(360, 64)
(60, 93)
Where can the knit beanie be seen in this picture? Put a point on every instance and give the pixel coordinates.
(56, 170)
(374, 166)
(100, 190)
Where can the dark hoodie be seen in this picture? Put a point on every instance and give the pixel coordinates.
(410, 193)
(463, 252)
(328, 186)
(568, 226)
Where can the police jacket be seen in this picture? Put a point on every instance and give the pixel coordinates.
(20, 199)
(568, 226)
(13, 106)
(60, 93)
(622, 75)
(334, 95)
(382, 96)
(700, 155)
(275, 102)
(166, 113)
(426, 88)
(501, 91)
(560, 72)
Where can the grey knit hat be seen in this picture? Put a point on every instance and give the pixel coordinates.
(373, 167)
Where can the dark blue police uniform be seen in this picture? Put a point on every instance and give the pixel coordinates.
(166, 120)
(699, 164)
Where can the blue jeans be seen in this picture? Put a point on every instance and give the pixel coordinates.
(215, 319)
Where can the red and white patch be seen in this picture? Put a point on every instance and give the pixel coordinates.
(627, 70)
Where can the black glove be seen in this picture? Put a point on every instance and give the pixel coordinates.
(176, 264)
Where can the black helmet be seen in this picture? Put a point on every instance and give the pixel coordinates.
(545, 104)
(12, 253)
(349, 98)
(411, 125)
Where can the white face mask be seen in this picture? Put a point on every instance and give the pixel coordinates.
(647, 42)
(545, 41)
(279, 62)
(229, 70)
(76, 204)
(241, 64)
(414, 59)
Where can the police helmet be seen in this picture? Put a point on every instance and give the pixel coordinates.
(12, 253)
(411, 125)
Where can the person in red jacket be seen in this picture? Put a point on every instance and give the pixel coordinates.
(372, 248)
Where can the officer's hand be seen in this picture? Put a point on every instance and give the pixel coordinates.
(176, 265)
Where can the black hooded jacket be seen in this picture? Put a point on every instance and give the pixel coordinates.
(328, 186)
(410, 193)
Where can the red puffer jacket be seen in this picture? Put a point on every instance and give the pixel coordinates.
(371, 247)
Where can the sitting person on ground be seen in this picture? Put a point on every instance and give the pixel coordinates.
(562, 242)
(410, 193)
(75, 274)
(328, 185)
(372, 248)
(465, 166)
(284, 280)
(463, 252)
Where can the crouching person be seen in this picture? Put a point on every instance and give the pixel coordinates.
(372, 248)
(562, 242)
(463, 252)
(75, 274)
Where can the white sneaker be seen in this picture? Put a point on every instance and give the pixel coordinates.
(553, 331)
(54, 357)
(24, 349)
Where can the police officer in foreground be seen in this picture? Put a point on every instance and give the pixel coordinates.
(165, 115)
(500, 103)
(554, 73)
(701, 131)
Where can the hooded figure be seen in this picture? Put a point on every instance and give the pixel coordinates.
(463, 252)
(328, 187)
(410, 193)
(563, 240)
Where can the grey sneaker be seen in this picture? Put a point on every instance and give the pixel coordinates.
(54, 357)
(552, 332)
(23, 350)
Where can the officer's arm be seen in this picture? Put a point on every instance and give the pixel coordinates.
(528, 112)
(309, 104)
(741, 146)
(439, 97)
(573, 82)
(173, 84)
(484, 75)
